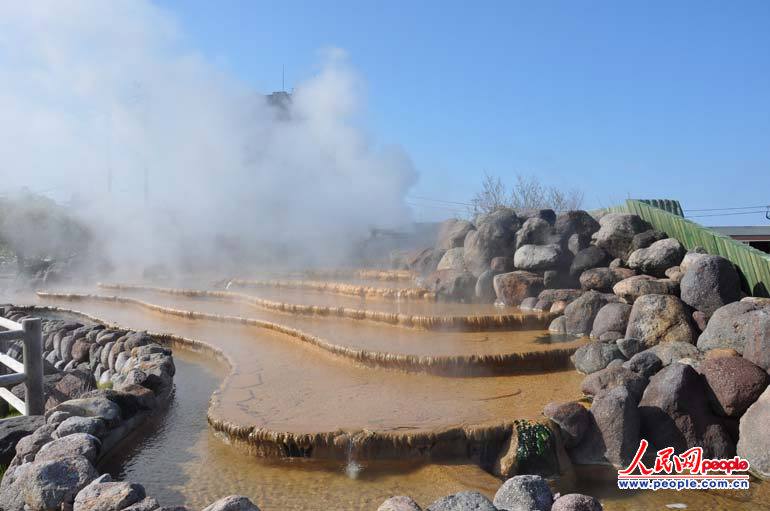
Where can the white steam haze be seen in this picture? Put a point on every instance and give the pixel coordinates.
(92, 87)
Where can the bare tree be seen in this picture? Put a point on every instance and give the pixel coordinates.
(527, 193)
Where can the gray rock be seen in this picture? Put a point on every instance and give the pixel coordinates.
(595, 356)
(76, 444)
(675, 273)
(524, 493)
(232, 503)
(572, 418)
(558, 325)
(399, 503)
(485, 288)
(616, 376)
(674, 351)
(452, 284)
(603, 279)
(581, 312)
(462, 501)
(709, 283)
(146, 504)
(645, 363)
(108, 496)
(613, 317)
(452, 260)
(629, 346)
(49, 484)
(537, 257)
(675, 413)
(613, 436)
(425, 261)
(734, 325)
(633, 287)
(452, 233)
(576, 502)
(659, 318)
(577, 223)
(617, 231)
(28, 446)
(14, 429)
(98, 406)
(495, 235)
(91, 425)
(501, 264)
(555, 295)
(657, 258)
(590, 257)
(647, 238)
(528, 303)
(548, 215)
(534, 231)
(754, 436)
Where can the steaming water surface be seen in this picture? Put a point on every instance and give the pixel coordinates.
(283, 385)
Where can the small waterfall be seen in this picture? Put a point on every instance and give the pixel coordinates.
(352, 467)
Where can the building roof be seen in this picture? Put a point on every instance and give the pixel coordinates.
(743, 230)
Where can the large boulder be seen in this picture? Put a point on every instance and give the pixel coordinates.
(14, 429)
(675, 413)
(462, 501)
(77, 444)
(495, 235)
(452, 260)
(524, 493)
(613, 434)
(232, 503)
(399, 503)
(647, 238)
(572, 418)
(754, 436)
(576, 502)
(534, 231)
(613, 317)
(558, 295)
(614, 376)
(674, 351)
(633, 287)
(709, 283)
(617, 231)
(595, 356)
(734, 384)
(45, 485)
(425, 261)
(452, 232)
(537, 257)
(645, 363)
(590, 257)
(736, 325)
(582, 311)
(453, 284)
(103, 494)
(657, 258)
(485, 287)
(659, 318)
(511, 288)
(603, 279)
(548, 215)
(576, 223)
(97, 406)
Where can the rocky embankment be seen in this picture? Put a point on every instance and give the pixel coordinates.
(519, 493)
(680, 356)
(52, 461)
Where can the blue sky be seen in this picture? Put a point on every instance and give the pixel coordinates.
(619, 99)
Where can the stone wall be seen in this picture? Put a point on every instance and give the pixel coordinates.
(55, 467)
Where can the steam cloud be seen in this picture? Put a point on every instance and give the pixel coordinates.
(95, 92)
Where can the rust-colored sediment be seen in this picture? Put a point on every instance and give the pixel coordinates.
(342, 288)
(453, 365)
(364, 274)
(299, 400)
(439, 323)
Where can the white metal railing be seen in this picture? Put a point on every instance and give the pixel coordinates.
(30, 371)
